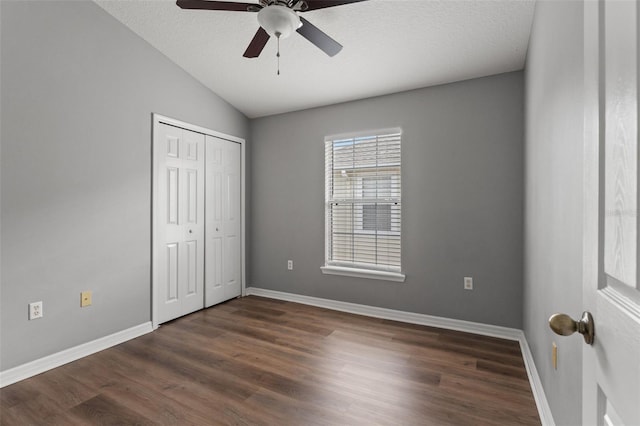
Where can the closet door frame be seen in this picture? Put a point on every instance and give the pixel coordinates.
(158, 119)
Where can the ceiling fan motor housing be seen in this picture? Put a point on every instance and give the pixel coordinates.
(278, 21)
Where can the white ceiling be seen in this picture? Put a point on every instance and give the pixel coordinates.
(389, 46)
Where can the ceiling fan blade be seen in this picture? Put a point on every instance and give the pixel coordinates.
(320, 39)
(216, 5)
(257, 44)
(321, 4)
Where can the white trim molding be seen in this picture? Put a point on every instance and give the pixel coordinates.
(66, 356)
(544, 411)
(391, 314)
(362, 273)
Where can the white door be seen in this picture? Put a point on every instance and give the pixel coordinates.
(611, 366)
(179, 164)
(223, 231)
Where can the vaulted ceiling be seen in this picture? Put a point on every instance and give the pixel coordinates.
(389, 46)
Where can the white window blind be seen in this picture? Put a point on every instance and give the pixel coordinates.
(363, 201)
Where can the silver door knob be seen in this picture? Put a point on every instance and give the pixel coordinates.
(563, 325)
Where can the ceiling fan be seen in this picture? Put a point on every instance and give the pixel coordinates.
(277, 18)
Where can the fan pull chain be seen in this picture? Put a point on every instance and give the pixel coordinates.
(278, 54)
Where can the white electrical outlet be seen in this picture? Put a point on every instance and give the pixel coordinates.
(290, 265)
(468, 283)
(35, 310)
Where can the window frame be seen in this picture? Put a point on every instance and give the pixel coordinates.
(355, 269)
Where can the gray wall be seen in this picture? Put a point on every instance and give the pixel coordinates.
(78, 90)
(462, 200)
(553, 188)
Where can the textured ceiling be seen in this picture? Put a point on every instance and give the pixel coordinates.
(389, 46)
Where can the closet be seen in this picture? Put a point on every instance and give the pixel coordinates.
(197, 216)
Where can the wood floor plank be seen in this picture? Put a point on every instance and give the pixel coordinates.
(259, 361)
(17, 393)
(102, 410)
(34, 411)
(64, 391)
(490, 393)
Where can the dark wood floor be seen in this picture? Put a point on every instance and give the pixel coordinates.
(255, 361)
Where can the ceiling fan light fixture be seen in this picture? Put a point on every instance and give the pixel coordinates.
(278, 21)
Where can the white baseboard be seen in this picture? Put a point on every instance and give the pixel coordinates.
(544, 410)
(49, 362)
(391, 314)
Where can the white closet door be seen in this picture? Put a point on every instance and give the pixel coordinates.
(180, 236)
(223, 236)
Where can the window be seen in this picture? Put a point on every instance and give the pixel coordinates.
(363, 205)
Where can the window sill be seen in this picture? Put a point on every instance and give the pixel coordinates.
(363, 273)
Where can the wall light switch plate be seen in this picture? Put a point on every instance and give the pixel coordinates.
(85, 299)
(290, 265)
